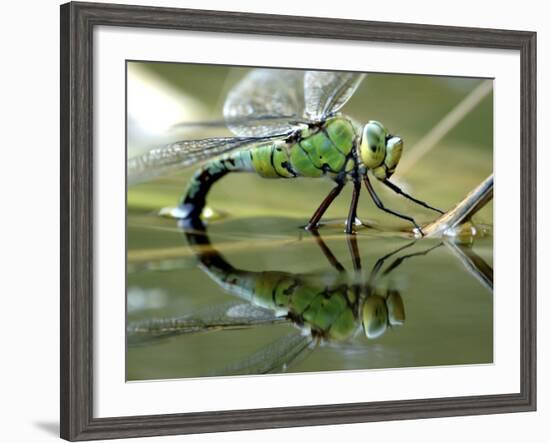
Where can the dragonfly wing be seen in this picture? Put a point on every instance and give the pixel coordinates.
(265, 102)
(267, 121)
(326, 92)
(275, 357)
(227, 316)
(185, 153)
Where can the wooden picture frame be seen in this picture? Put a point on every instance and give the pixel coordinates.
(77, 24)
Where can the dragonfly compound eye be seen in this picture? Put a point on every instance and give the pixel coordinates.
(373, 144)
(374, 316)
(396, 308)
(394, 149)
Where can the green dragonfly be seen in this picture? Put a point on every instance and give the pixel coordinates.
(287, 124)
(329, 310)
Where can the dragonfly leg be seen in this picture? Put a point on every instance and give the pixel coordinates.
(380, 262)
(313, 222)
(354, 252)
(398, 190)
(327, 252)
(381, 206)
(401, 259)
(352, 215)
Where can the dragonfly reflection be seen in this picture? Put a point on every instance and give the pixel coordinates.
(334, 308)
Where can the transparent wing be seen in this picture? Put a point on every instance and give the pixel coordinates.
(185, 153)
(275, 357)
(265, 102)
(248, 121)
(326, 92)
(233, 315)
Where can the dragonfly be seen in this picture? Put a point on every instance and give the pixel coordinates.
(332, 310)
(286, 124)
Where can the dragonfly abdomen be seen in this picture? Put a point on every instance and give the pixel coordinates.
(272, 160)
(194, 198)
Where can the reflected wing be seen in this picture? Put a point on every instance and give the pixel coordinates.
(233, 315)
(276, 357)
(264, 102)
(326, 92)
(185, 153)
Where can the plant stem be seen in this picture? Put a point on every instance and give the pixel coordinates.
(463, 211)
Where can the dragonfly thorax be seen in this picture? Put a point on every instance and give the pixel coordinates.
(379, 151)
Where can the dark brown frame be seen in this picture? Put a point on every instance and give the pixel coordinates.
(77, 24)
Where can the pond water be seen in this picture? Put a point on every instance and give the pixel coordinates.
(185, 309)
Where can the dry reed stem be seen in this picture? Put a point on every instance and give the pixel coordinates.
(463, 211)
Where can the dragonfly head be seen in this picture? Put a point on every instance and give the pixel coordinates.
(380, 312)
(379, 151)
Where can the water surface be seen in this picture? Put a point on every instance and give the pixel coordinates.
(447, 310)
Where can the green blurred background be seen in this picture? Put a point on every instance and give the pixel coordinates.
(449, 314)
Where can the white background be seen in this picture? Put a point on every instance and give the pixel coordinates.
(29, 223)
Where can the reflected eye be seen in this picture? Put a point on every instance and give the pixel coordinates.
(374, 316)
(396, 309)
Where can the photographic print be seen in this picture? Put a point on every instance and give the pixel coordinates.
(285, 220)
(288, 204)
